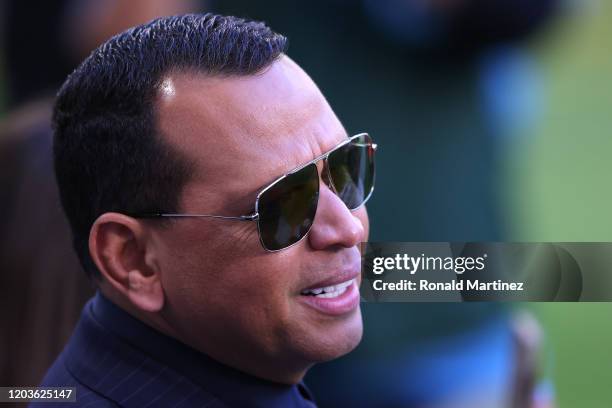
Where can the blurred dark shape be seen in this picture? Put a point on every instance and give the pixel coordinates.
(46, 39)
(91, 22)
(458, 27)
(483, 23)
(36, 61)
(42, 286)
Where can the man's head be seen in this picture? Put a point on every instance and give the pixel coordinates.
(196, 114)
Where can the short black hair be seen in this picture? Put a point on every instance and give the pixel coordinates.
(108, 154)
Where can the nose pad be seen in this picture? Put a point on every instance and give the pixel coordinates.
(326, 176)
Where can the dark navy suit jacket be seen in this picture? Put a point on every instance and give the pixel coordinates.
(114, 360)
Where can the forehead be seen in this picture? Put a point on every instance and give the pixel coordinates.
(244, 131)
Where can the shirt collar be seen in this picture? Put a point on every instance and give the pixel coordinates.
(229, 385)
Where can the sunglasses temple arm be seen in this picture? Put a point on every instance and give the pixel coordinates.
(249, 217)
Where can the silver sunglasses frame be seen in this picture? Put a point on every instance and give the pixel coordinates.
(254, 216)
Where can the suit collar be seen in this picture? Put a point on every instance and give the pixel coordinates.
(109, 340)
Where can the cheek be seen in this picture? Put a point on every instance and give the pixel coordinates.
(201, 248)
(247, 299)
(213, 279)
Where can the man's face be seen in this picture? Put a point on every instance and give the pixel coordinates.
(225, 295)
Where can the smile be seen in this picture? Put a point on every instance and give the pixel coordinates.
(335, 300)
(329, 291)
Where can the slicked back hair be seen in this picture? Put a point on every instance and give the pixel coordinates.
(108, 153)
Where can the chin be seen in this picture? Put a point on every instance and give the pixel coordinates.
(335, 341)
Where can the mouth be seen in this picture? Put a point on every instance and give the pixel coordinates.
(333, 299)
(327, 292)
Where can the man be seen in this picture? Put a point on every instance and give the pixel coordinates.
(217, 202)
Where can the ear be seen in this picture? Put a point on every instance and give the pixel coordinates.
(123, 251)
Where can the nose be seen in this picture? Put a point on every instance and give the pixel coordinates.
(334, 224)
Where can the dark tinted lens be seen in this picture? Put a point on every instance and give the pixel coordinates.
(287, 209)
(351, 168)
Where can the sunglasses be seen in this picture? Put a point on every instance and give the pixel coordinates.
(285, 210)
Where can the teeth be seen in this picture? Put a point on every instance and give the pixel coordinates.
(329, 291)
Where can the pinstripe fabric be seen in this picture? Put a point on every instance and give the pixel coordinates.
(115, 360)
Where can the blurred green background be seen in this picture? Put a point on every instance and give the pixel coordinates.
(577, 353)
(558, 190)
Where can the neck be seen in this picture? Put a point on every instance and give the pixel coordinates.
(240, 358)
